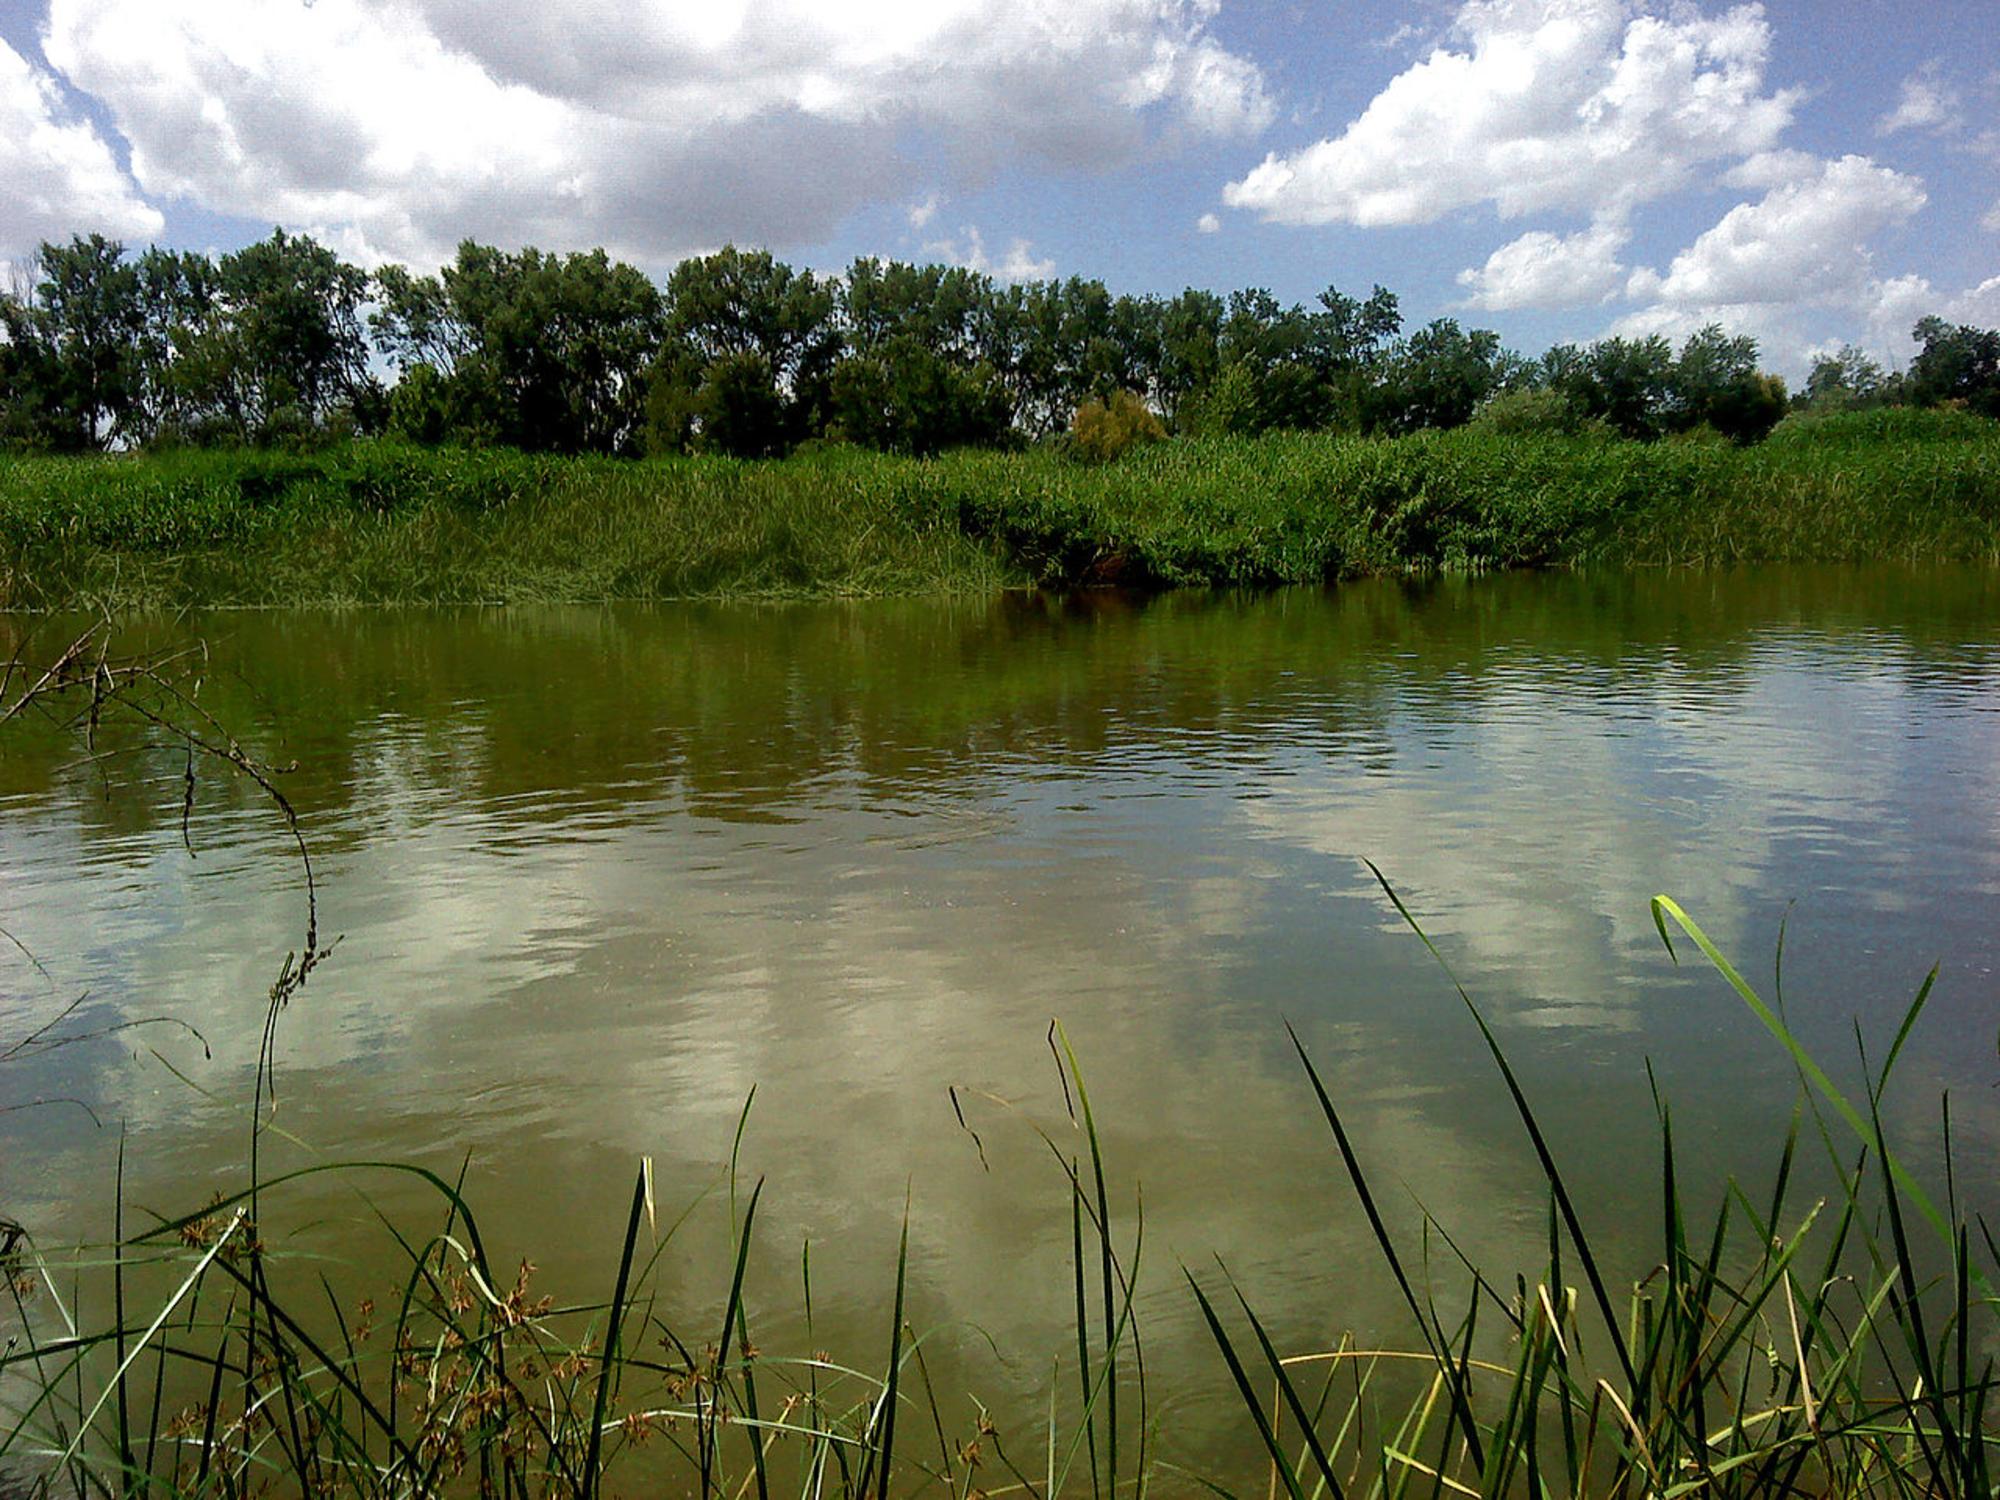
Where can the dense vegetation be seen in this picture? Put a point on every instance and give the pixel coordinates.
(387, 521)
(739, 354)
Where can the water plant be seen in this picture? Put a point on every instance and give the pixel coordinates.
(381, 522)
(1839, 1347)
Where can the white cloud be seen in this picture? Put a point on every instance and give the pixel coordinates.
(1553, 104)
(1208, 224)
(58, 177)
(1927, 102)
(922, 213)
(1804, 241)
(1896, 305)
(1403, 36)
(653, 128)
(1991, 222)
(1769, 169)
(1779, 266)
(1017, 264)
(1544, 270)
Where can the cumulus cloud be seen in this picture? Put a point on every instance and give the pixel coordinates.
(1545, 270)
(399, 125)
(922, 213)
(1210, 224)
(1803, 241)
(58, 176)
(1769, 169)
(1926, 102)
(1018, 263)
(1583, 105)
(1802, 248)
(1895, 306)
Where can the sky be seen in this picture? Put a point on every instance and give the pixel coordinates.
(1811, 172)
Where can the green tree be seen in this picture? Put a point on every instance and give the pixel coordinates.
(743, 302)
(1626, 383)
(77, 372)
(1190, 350)
(32, 414)
(1716, 383)
(289, 346)
(1436, 378)
(543, 352)
(178, 296)
(904, 397)
(1956, 363)
(1846, 379)
(738, 409)
(1268, 359)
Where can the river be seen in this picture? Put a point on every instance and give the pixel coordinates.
(597, 873)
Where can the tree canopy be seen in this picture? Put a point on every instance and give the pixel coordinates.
(739, 353)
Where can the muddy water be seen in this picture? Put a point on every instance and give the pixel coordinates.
(599, 873)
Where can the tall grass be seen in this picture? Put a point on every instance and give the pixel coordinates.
(1842, 1346)
(381, 523)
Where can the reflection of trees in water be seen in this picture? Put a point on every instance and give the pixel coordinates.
(735, 708)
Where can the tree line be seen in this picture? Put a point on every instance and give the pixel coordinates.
(739, 353)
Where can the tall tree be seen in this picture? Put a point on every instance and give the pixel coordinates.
(539, 351)
(744, 303)
(80, 327)
(1957, 363)
(295, 320)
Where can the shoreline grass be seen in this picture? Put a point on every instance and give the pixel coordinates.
(1838, 1347)
(379, 523)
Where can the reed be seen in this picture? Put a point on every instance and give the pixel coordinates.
(1841, 1347)
(375, 523)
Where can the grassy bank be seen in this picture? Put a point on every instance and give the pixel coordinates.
(379, 523)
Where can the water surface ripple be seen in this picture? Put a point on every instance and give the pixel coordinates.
(600, 871)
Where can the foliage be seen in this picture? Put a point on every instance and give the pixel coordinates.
(742, 355)
(543, 352)
(1846, 379)
(902, 397)
(1435, 378)
(1957, 363)
(1106, 429)
(388, 522)
(748, 344)
(1534, 412)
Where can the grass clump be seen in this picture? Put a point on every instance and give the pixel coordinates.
(384, 523)
(1841, 1347)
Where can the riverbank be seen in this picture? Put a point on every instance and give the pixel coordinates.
(378, 523)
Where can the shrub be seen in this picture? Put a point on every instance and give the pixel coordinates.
(1535, 413)
(1103, 430)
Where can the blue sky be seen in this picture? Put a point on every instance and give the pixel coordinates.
(1810, 173)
